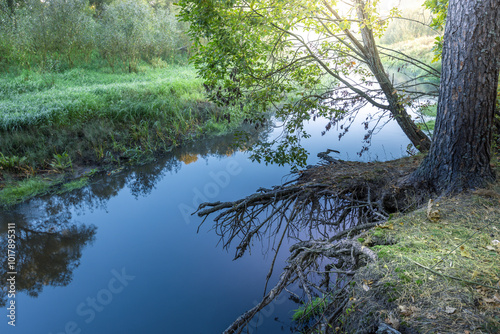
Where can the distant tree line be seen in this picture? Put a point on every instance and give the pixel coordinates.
(57, 34)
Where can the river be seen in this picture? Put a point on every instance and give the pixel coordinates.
(123, 254)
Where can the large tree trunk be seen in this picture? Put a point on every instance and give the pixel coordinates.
(459, 158)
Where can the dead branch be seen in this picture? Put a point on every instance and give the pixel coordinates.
(240, 323)
(359, 248)
(335, 202)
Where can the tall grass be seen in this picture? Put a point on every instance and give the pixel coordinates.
(23, 190)
(35, 99)
(98, 116)
(402, 69)
(411, 35)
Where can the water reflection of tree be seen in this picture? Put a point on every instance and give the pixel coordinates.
(142, 179)
(325, 211)
(45, 256)
(49, 243)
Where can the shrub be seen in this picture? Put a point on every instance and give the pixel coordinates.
(53, 32)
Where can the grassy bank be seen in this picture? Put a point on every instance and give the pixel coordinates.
(54, 124)
(432, 269)
(434, 276)
(419, 49)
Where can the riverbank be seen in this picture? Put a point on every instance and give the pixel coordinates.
(433, 276)
(437, 270)
(384, 254)
(60, 127)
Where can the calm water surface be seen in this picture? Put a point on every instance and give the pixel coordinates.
(123, 255)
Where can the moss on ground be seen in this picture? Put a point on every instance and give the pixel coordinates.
(434, 277)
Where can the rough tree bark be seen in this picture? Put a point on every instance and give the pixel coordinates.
(459, 158)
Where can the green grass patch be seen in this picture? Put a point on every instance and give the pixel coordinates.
(439, 276)
(429, 113)
(54, 120)
(17, 192)
(52, 123)
(35, 99)
(310, 310)
(72, 185)
(427, 126)
(429, 110)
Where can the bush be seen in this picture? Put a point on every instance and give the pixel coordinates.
(60, 34)
(54, 32)
(5, 34)
(123, 31)
(132, 29)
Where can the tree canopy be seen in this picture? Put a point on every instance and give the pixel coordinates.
(307, 59)
(440, 10)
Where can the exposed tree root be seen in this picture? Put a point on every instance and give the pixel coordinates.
(325, 209)
(240, 323)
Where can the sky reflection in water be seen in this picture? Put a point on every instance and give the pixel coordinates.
(123, 255)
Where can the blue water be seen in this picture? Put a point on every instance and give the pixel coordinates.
(123, 255)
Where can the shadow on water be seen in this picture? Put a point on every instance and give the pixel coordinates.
(181, 273)
(47, 251)
(49, 242)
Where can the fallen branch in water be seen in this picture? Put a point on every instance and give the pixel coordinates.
(325, 209)
(303, 258)
(239, 324)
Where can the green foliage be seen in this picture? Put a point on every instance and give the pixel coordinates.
(440, 10)
(23, 190)
(428, 122)
(12, 162)
(310, 310)
(97, 117)
(81, 95)
(20, 191)
(76, 184)
(59, 34)
(428, 126)
(53, 32)
(131, 29)
(285, 56)
(61, 162)
(429, 110)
